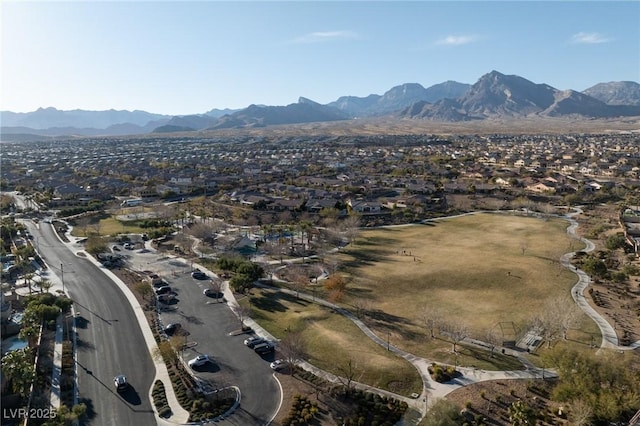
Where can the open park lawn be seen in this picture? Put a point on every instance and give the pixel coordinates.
(333, 343)
(485, 271)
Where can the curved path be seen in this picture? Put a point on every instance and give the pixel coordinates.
(609, 336)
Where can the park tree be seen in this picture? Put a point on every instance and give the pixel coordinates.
(557, 316)
(581, 413)
(347, 373)
(242, 312)
(335, 282)
(166, 352)
(45, 285)
(335, 286)
(433, 319)
(293, 348)
(351, 226)
(607, 383)
(241, 282)
(616, 241)
(217, 287)
(457, 332)
(493, 338)
(96, 244)
(594, 266)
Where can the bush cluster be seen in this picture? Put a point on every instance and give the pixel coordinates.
(160, 399)
(441, 373)
(375, 410)
(302, 411)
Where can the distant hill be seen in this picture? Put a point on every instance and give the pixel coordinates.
(616, 92)
(499, 95)
(305, 111)
(494, 95)
(45, 118)
(397, 98)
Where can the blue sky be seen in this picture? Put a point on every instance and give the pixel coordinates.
(179, 57)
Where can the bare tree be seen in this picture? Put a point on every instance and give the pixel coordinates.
(293, 348)
(351, 226)
(433, 320)
(493, 338)
(347, 374)
(45, 285)
(581, 413)
(363, 306)
(457, 332)
(557, 316)
(242, 312)
(216, 287)
(298, 278)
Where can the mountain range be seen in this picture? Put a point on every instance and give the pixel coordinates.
(494, 95)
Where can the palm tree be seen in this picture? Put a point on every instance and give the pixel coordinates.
(29, 280)
(46, 285)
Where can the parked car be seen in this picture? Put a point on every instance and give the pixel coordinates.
(116, 248)
(172, 328)
(163, 290)
(160, 284)
(278, 364)
(199, 361)
(211, 293)
(165, 298)
(264, 348)
(198, 275)
(253, 341)
(128, 246)
(121, 383)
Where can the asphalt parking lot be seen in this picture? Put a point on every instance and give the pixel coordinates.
(214, 330)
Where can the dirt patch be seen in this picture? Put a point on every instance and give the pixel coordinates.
(492, 399)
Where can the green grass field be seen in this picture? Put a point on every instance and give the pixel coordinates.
(480, 270)
(487, 271)
(333, 341)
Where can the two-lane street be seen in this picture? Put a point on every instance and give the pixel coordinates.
(109, 338)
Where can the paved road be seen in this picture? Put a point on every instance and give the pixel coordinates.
(212, 328)
(109, 339)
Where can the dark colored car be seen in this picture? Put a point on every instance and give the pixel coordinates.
(264, 348)
(172, 328)
(163, 290)
(199, 275)
(253, 341)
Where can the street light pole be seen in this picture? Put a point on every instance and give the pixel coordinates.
(62, 276)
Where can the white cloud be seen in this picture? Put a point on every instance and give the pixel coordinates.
(325, 36)
(456, 40)
(589, 38)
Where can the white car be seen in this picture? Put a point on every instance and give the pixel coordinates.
(199, 361)
(278, 364)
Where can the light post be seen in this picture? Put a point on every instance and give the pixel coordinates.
(62, 276)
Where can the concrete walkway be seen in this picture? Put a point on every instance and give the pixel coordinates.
(57, 366)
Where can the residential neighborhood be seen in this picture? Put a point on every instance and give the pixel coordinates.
(375, 176)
